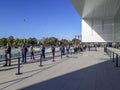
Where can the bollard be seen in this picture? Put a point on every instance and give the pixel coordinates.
(110, 55)
(1, 56)
(61, 55)
(113, 57)
(116, 60)
(41, 56)
(18, 67)
(53, 56)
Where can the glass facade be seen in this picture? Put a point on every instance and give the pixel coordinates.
(117, 29)
(117, 26)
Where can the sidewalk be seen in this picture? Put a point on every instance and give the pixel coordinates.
(90, 70)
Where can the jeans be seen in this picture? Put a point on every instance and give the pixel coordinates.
(24, 57)
(32, 55)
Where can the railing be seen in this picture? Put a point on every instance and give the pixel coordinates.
(18, 58)
(113, 56)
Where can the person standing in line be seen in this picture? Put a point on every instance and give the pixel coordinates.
(24, 52)
(67, 50)
(42, 54)
(62, 49)
(7, 54)
(43, 51)
(32, 52)
(53, 52)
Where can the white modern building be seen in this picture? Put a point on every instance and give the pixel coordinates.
(100, 20)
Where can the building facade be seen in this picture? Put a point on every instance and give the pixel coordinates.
(100, 20)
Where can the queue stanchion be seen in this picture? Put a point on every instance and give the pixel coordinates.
(41, 57)
(110, 54)
(18, 73)
(61, 55)
(116, 60)
(53, 56)
(113, 57)
(1, 56)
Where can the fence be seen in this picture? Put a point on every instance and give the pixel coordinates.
(113, 56)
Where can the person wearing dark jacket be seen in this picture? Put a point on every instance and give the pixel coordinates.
(24, 52)
(7, 49)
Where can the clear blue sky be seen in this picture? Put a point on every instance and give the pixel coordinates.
(44, 18)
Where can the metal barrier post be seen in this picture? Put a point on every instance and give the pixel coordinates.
(41, 57)
(1, 56)
(61, 55)
(53, 56)
(116, 60)
(113, 57)
(18, 67)
(110, 55)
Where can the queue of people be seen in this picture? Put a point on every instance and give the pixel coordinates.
(64, 49)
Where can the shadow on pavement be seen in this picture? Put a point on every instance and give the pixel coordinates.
(102, 76)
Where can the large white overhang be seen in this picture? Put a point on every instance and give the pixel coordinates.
(100, 9)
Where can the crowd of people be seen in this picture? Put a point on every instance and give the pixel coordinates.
(65, 49)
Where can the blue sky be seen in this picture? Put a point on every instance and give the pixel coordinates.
(43, 18)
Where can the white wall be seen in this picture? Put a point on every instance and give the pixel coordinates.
(97, 30)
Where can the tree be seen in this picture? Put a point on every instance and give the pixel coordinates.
(10, 40)
(17, 42)
(64, 41)
(53, 41)
(75, 41)
(31, 41)
(3, 41)
(50, 41)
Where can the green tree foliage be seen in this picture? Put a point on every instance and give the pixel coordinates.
(3, 41)
(50, 41)
(46, 41)
(17, 42)
(10, 40)
(31, 41)
(76, 41)
(64, 41)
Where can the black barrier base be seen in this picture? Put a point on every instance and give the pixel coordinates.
(40, 65)
(19, 73)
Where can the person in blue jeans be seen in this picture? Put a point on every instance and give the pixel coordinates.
(32, 52)
(62, 49)
(7, 49)
(24, 52)
(53, 52)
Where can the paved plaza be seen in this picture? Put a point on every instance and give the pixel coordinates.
(89, 70)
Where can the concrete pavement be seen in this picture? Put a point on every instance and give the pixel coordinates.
(90, 70)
